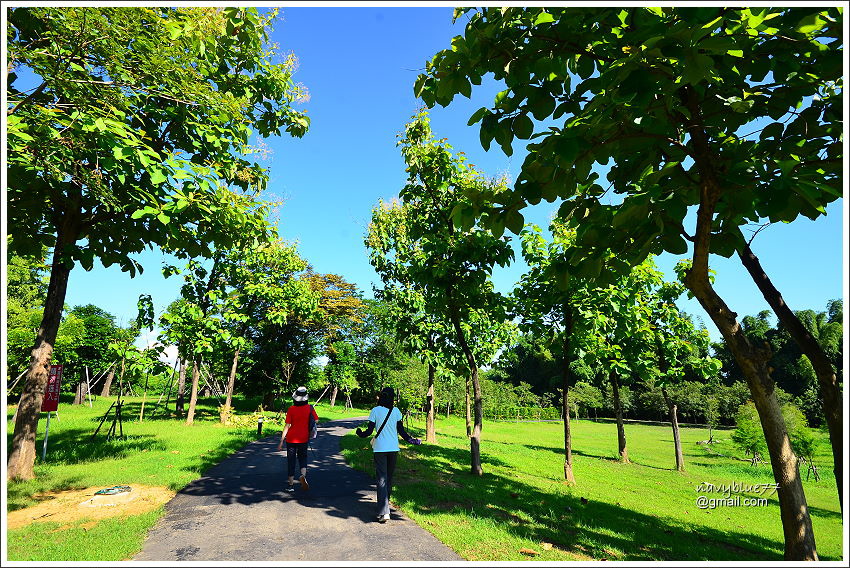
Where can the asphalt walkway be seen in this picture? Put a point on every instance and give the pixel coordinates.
(239, 511)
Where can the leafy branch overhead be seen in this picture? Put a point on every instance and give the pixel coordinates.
(137, 129)
(751, 97)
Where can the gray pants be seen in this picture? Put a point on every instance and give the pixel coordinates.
(384, 468)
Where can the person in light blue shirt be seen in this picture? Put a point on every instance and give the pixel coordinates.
(387, 421)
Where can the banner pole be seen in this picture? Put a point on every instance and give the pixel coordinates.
(46, 433)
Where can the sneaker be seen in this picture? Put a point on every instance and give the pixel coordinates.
(304, 485)
(290, 489)
(383, 518)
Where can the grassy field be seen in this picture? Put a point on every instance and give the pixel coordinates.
(521, 508)
(156, 452)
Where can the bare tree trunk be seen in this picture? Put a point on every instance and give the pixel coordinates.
(334, 390)
(568, 439)
(107, 385)
(193, 398)
(674, 420)
(618, 412)
(144, 397)
(794, 511)
(230, 383)
(475, 435)
(123, 367)
(22, 451)
(78, 393)
(827, 379)
(430, 433)
(468, 411)
(179, 400)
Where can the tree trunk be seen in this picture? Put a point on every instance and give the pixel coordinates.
(468, 414)
(333, 395)
(107, 385)
(193, 397)
(430, 434)
(674, 420)
(22, 451)
(230, 383)
(753, 361)
(568, 439)
(618, 412)
(78, 393)
(268, 400)
(121, 374)
(179, 400)
(794, 511)
(832, 407)
(475, 435)
(144, 397)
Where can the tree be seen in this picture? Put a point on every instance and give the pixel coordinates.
(815, 353)
(340, 370)
(264, 276)
(99, 331)
(748, 434)
(135, 134)
(678, 345)
(686, 87)
(441, 253)
(549, 304)
(587, 397)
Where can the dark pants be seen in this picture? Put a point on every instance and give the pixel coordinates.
(384, 468)
(293, 451)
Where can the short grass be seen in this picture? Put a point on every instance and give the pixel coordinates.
(522, 509)
(156, 451)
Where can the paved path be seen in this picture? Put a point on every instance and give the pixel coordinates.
(239, 512)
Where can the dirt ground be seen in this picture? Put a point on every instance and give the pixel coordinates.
(71, 506)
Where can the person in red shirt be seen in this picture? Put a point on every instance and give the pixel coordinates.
(296, 433)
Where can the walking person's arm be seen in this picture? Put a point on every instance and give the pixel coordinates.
(283, 436)
(367, 432)
(405, 435)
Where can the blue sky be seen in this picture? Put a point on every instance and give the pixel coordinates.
(359, 65)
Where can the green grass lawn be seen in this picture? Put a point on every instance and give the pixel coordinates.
(640, 511)
(154, 452)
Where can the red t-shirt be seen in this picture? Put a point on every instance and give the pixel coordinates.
(299, 419)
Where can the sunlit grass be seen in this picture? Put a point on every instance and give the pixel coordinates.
(155, 452)
(640, 511)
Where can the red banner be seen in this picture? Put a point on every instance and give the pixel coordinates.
(50, 402)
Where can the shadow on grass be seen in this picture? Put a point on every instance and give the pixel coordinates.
(23, 495)
(76, 445)
(588, 529)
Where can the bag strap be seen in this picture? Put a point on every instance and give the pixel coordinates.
(387, 417)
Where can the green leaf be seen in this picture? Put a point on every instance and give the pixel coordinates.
(514, 222)
(773, 130)
(157, 177)
(585, 65)
(543, 18)
(809, 24)
(476, 116)
(523, 127)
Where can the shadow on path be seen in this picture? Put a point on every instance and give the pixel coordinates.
(240, 511)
